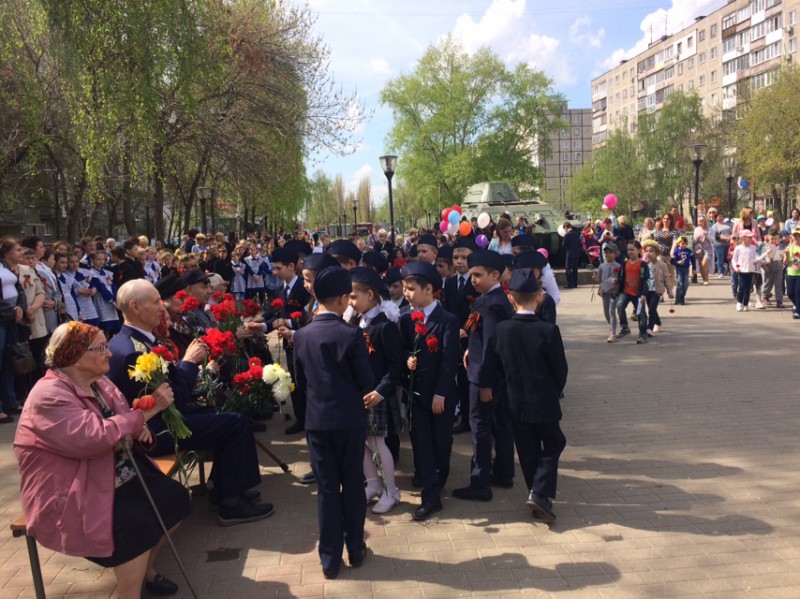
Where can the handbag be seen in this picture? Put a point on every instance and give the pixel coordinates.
(21, 357)
(7, 312)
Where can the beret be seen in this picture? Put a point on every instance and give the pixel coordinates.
(524, 240)
(194, 276)
(332, 281)
(428, 240)
(299, 246)
(425, 270)
(169, 286)
(487, 259)
(523, 281)
(466, 243)
(393, 275)
(319, 261)
(345, 247)
(367, 276)
(285, 255)
(530, 259)
(445, 252)
(376, 260)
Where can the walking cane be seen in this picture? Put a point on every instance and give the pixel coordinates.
(267, 450)
(127, 443)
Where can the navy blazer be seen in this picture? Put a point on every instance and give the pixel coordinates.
(386, 357)
(572, 242)
(547, 309)
(296, 302)
(483, 366)
(331, 364)
(534, 365)
(436, 372)
(129, 344)
(457, 303)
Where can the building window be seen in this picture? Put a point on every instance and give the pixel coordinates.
(702, 58)
(576, 132)
(680, 69)
(713, 99)
(576, 144)
(793, 44)
(565, 169)
(792, 17)
(690, 41)
(564, 144)
(713, 76)
(702, 80)
(565, 157)
(576, 119)
(701, 35)
(691, 63)
(577, 156)
(714, 30)
(713, 53)
(691, 84)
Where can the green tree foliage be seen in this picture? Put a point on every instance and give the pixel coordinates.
(460, 119)
(767, 137)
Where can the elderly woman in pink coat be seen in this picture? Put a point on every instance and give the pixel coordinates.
(78, 487)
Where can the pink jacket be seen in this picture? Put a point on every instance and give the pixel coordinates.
(65, 450)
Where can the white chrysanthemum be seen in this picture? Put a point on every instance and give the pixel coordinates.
(280, 391)
(271, 374)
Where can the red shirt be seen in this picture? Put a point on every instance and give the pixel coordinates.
(633, 275)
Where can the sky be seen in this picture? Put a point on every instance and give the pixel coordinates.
(571, 41)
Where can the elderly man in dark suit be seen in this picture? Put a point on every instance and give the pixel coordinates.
(235, 473)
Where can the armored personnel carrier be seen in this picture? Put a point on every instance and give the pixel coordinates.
(497, 197)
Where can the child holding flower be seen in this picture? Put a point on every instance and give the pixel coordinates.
(430, 340)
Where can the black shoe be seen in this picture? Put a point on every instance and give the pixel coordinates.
(6, 419)
(622, 332)
(503, 483)
(473, 493)
(330, 573)
(294, 429)
(161, 586)
(542, 507)
(307, 479)
(243, 512)
(641, 340)
(426, 510)
(215, 498)
(357, 558)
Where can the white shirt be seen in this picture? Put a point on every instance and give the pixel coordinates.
(367, 317)
(150, 336)
(9, 282)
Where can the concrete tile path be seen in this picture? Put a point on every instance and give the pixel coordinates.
(680, 479)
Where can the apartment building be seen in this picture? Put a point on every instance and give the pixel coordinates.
(569, 151)
(744, 42)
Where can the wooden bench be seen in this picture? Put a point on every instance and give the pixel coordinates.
(167, 464)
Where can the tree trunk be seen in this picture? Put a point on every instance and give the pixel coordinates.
(127, 195)
(75, 211)
(158, 192)
(92, 217)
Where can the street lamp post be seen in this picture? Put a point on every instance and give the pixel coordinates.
(388, 164)
(355, 215)
(699, 153)
(729, 179)
(203, 194)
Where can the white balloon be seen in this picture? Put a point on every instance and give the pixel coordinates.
(483, 220)
(452, 230)
(561, 231)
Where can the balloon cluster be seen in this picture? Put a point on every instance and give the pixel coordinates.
(451, 222)
(609, 202)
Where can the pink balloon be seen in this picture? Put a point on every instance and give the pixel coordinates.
(482, 241)
(610, 201)
(544, 253)
(443, 226)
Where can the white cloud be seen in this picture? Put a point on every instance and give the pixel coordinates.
(380, 66)
(663, 22)
(504, 29)
(580, 32)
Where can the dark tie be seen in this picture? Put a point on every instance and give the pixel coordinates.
(460, 284)
(286, 291)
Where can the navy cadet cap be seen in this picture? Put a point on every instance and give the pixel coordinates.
(376, 260)
(508, 259)
(425, 270)
(367, 276)
(487, 259)
(285, 255)
(194, 276)
(530, 259)
(446, 252)
(428, 240)
(299, 246)
(466, 243)
(332, 281)
(393, 275)
(170, 285)
(523, 281)
(346, 248)
(524, 240)
(319, 261)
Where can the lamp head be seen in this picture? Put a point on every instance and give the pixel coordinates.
(388, 164)
(699, 151)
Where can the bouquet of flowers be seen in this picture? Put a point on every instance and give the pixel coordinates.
(259, 388)
(230, 312)
(151, 368)
(420, 333)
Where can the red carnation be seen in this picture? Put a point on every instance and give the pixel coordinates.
(296, 315)
(190, 304)
(163, 352)
(251, 308)
(228, 297)
(217, 295)
(432, 343)
(181, 295)
(418, 316)
(278, 304)
(420, 328)
(254, 362)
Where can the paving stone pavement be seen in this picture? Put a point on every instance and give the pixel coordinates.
(679, 479)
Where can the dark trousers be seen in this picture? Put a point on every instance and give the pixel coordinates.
(653, 300)
(463, 391)
(432, 442)
(745, 284)
(229, 436)
(572, 262)
(490, 420)
(793, 291)
(299, 393)
(539, 445)
(622, 302)
(336, 458)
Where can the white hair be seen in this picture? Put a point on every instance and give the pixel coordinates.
(132, 291)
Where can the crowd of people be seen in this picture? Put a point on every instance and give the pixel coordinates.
(422, 333)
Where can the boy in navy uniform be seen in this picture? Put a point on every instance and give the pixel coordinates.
(457, 299)
(331, 363)
(535, 261)
(489, 415)
(432, 404)
(535, 368)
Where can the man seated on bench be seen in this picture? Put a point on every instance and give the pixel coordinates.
(235, 474)
(78, 488)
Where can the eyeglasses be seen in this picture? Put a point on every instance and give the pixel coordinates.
(101, 349)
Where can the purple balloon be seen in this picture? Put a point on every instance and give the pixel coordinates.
(482, 241)
(443, 226)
